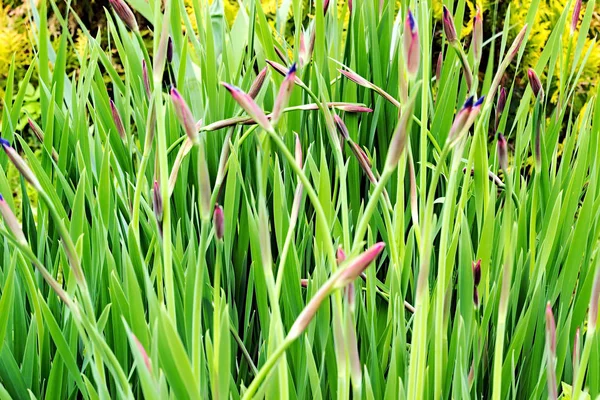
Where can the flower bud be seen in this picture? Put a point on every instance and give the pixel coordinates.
(352, 108)
(248, 104)
(257, 84)
(516, 44)
(356, 266)
(117, 120)
(475, 297)
(219, 222)
(157, 202)
(438, 67)
(20, 164)
(354, 77)
(11, 222)
(184, 114)
(449, 28)
(341, 127)
(575, 16)
(285, 91)
(550, 329)
(595, 296)
(536, 84)
(460, 119)
(146, 79)
(304, 282)
(476, 265)
(140, 347)
(502, 152)
(170, 50)
(412, 49)
(477, 35)
(341, 255)
(500, 107)
(125, 14)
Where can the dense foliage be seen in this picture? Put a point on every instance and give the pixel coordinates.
(367, 200)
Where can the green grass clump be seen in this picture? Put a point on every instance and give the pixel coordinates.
(348, 216)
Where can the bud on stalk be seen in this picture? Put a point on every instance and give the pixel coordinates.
(20, 164)
(575, 17)
(298, 151)
(257, 84)
(157, 202)
(341, 127)
(184, 114)
(438, 68)
(502, 152)
(358, 265)
(125, 14)
(476, 272)
(412, 50)
(283, 98)
(146, 79)
(219, 222)
(341, 255)
(398, 142)
(117, 120)
(170, 50)
(460, 120)
(248, 104)
(477, 35)
(536, 84)
(11, 222)
(449, 28)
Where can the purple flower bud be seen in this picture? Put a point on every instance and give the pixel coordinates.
(500, 107)
(184, 114)
(350, 6)
(341, 127)
(117, 120)
(341, 255)
(516, 45)
(550, 328)
(125, 14)
(575, 17)
(412, 49)
(257, 84)
(595, 296)
(248, 104)
(146, 79)
(304, 282)
(460, 120)
(475, 297)
(476, 265)
(449, 28)
(353, 108)
(363, 161)
(219, 222)
(157, 202)
(356, 266)
(325, 6)
(438, 68)
(536, 84)
(477, 35)
(502, 152)
(354, 77)
(170, 50)
(20, 164)
(11, 222)
(283, 98)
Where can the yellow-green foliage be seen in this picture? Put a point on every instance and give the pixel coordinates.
(14, 42)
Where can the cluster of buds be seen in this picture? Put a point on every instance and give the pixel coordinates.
(476, 267)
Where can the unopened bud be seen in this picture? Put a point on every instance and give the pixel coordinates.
(412, 49)
(11, 222)
(356, 266)
(341, 127)
(398, 142)
(257, 84)
(476, 265)
(536, 84)
(248, 104)
(125, 14)
(341, 255)
(157, 202)
(184, 114)
(477, 35)
(438, 67)
(502, 152)
(117, 120)
(298, 150)
(575, 16)
(20, 164)
(449, 28)
(146, 79)
(550, 329)
(170, 50)
(500, 107)
(219, 222)
(283, 98)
